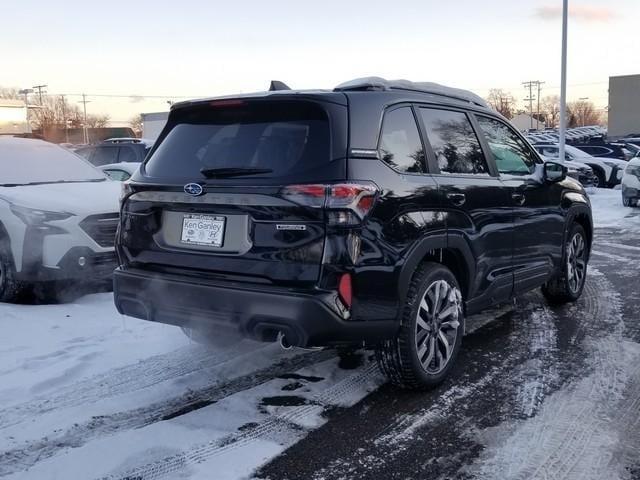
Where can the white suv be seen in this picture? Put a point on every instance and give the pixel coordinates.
(631, 183)
(58, 216)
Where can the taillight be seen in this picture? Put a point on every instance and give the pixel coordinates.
(346, 203)
(308, 195)
(345, 290)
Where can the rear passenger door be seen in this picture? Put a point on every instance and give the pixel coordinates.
(476, 202)
(538, 219)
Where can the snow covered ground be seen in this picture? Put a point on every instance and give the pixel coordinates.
(87, 393)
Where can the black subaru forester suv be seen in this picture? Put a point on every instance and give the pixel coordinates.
(379, 214)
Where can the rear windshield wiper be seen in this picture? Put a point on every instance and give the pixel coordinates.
(232, 172)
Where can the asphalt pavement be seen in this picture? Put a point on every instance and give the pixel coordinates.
(537, 392)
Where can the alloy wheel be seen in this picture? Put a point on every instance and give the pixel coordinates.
(437, 323)
(576, 263)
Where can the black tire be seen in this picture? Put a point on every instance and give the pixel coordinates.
(568, 284)
(400, 359)
(626, 201)
(599, 181)
(10, 288)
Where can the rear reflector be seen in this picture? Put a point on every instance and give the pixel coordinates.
(344, 290)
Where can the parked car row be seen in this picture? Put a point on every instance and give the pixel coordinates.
(572, 135)
(595, 144)
(607, 171)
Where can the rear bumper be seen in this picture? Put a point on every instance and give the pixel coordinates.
(257, 311)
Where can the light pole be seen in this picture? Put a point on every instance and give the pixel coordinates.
(563, 80)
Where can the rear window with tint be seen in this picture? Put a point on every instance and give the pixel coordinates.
(284, 137)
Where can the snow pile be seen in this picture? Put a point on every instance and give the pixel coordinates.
(608, 210)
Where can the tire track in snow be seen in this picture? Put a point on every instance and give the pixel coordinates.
(293, 420)
(570, 437)
(143, 374)
(28, 455)
(441, 435)
(391, 430)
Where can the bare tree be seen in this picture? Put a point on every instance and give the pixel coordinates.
(582, 112)
(136, 124)
(98, 121)
(54, 112)
(502, 101)
(550, 108)
(10, 93)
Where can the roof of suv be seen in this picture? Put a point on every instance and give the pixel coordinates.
(364, 84)
(378, 83)
(129, 140)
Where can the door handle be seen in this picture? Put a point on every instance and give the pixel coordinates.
(519, 198)
(457, 199)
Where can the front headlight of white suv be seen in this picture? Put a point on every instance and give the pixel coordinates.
(35, 216)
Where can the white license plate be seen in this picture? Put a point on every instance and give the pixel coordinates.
(205, 230)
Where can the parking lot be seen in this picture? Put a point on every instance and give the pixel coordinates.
(538, 392)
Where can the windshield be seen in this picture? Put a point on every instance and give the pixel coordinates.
(33, 161)
(263, 139)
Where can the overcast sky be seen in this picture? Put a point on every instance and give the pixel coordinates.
(193, 48)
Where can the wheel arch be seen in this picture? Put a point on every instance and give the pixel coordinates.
(451, 252)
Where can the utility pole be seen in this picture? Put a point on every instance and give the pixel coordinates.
(85, 132)
(529, 85)
(39, 88)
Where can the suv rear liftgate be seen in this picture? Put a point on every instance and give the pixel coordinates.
(277, 237)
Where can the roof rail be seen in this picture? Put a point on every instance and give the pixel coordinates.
(378, 83)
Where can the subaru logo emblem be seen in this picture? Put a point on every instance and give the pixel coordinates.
(193, 189)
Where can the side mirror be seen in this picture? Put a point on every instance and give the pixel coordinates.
(554, 172)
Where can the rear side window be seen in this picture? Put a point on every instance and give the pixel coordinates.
(105, 155)
(400, 144)
(85, 152)
(280, 138)
(511, 154)
(127, 154)
(454, 143)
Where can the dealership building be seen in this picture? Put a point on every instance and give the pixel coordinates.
(624, 106)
